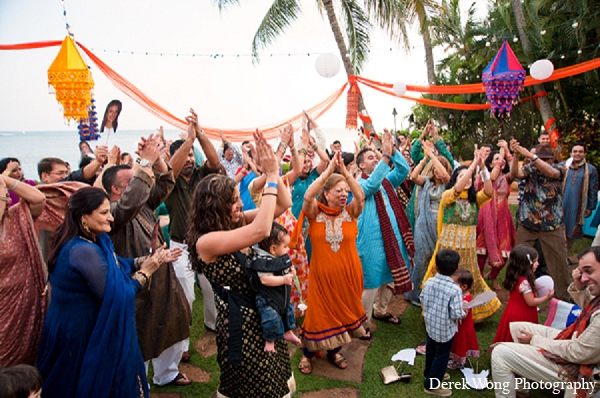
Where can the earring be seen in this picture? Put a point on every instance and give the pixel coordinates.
(85, 225)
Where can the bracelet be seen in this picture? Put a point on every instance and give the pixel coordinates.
(303, 152)
(534, 158)
(272, 185)
(200, 134)
(140, 273)
(14, 185)
(269, 193)
(485, 174)
(4, 198)
(321, 181)
(315, 147)
(385, 155)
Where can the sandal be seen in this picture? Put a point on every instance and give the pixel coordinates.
(389, 318)
(180, 380)
(305, 366)
(367, 335)
(338, 360)
(185, 357)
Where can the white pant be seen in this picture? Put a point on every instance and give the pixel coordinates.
(376, 301)
(185, 275)
(596, 241)
(166, 365)
(512, 363)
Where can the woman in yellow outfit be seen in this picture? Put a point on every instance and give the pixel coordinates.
(457, 222)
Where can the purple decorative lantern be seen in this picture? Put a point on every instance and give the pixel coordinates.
(502, 80)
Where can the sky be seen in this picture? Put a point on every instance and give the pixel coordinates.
(227, 91)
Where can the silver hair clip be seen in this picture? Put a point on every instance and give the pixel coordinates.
(529, 258)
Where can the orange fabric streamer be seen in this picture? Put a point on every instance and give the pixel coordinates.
(153, 107)
(271, 131)
(31, 46)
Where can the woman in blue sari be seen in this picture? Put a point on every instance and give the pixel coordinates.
(431, 185)
(89, 345)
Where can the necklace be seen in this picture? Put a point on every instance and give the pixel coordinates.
(464, 209)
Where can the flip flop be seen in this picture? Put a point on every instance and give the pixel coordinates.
(367, 335)
(180, 380)
(388, 318)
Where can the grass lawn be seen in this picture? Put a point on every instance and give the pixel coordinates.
(388, 340)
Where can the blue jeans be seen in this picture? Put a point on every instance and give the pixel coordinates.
(273, 325)
(436, 361)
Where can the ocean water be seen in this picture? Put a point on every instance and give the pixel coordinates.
(31, 146)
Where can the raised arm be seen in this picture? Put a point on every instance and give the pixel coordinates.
(358, 202)
(33, 196)
(515, 170)
(310, 202)
(462, 182)
(180, 156)
(218, 243)
(544, 168)
(212, 158)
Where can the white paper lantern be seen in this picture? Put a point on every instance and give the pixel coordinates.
(541, 69)
(327, 65)
(399, 88)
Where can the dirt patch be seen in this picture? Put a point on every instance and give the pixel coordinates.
(398, 305)
(345, 392)
(194, 373)
(207, 345)
(355, 355)
(165, 395)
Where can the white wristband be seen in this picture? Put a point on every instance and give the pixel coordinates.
(485, 174)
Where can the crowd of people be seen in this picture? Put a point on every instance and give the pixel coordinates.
(99, 265)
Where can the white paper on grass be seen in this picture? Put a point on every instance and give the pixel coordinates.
(406, 355)
(482, 299)
(477, 381)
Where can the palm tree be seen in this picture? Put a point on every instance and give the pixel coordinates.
(544, 104)
(353, 41)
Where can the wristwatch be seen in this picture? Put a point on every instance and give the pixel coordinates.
(534, 158)
(145, 163)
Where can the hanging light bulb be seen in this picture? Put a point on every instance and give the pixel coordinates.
(579, 51)
(487, 44)
(575, 24)
(562, 56)
(516, 39)
(543, 32)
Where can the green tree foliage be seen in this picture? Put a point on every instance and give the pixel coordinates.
(567, 32)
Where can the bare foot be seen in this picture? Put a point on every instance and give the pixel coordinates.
(495, 285)
(291, 337)
(270, 347)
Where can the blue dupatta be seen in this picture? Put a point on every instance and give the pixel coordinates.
(113, 363)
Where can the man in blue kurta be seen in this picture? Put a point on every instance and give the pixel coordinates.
(376, 224)
(580, 193)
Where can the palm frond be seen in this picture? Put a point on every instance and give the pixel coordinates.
(358, 30)
(279, 17)
(222, 4)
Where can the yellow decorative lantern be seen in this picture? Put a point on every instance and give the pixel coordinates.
(71, 80)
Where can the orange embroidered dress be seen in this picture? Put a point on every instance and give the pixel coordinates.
(335, 313)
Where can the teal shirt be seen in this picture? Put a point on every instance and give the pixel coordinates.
(369, 242)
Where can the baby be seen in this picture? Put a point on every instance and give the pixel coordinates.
(274, 268)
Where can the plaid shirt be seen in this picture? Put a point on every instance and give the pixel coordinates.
(441, 299)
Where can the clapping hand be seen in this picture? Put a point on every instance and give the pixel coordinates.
(114, 156)
(428, 149)
(265, 157)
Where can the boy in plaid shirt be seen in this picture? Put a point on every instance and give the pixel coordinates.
(441, 299)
